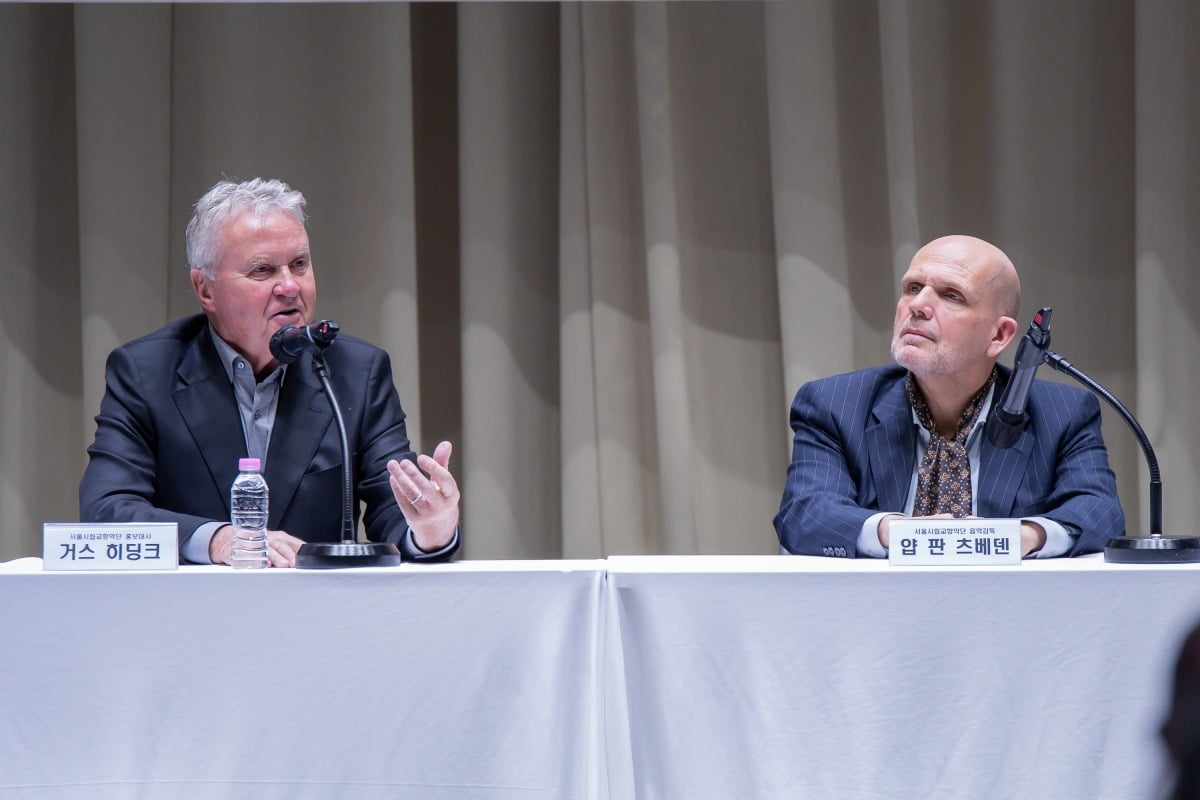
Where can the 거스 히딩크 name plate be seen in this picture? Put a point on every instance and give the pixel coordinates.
(110, 546)
(926, 542)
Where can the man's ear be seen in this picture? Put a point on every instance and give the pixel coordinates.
(203, 288)
(1006, 329)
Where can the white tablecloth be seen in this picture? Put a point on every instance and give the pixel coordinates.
(471, 681)
(637, 679)
(788, 677)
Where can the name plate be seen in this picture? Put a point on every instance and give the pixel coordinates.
(923, 542)
(110, 546)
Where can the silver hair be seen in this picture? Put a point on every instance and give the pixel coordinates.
(218, 206)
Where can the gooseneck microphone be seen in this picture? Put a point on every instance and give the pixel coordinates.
(1155, 548)
(287, 345)
(1008, 416)
(290, 342)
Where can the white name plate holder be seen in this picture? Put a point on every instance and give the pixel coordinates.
(109, 546)
(975, 542)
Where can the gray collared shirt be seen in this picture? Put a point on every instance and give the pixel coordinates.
(256, 400)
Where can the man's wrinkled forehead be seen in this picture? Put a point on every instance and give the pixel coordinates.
(942, 268)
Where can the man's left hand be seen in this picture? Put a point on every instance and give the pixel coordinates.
(1033, 537)
(428, 499)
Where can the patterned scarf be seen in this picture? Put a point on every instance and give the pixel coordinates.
(944, 475)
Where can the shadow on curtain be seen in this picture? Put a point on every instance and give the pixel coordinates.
(604, 243)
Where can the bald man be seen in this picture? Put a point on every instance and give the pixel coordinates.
(907, 439)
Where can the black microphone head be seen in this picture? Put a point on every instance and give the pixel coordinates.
(281, 345)
(290, 342)
(1039, 329)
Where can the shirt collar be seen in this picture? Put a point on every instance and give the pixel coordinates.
(923, 434)
(230, 358)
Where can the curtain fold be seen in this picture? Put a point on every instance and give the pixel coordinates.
(610, 480)
(664, 275)
(1166, 318)
(122, 74)
(41, 368)
(667, 217)
(508, 105)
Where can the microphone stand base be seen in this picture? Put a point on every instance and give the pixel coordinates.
(1155, 549)
(342, 555)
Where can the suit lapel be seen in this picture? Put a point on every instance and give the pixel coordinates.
(301, 419)
(205, 400)
(891, 444)
(1001, 471)
(1000, 474)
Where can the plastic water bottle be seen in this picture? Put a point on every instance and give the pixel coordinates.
(248, 501)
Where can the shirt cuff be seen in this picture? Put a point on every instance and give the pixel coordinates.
(195, 549)
(868, 538)
(1059, 540)
(415, 553)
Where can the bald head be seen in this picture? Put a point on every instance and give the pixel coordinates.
(956, 314)
(994, 271)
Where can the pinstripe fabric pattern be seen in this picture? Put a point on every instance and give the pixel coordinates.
(853, 455)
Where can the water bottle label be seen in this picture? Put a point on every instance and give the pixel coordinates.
(248, 503)
(249, 549)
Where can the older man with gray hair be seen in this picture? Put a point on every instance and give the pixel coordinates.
(184, 403)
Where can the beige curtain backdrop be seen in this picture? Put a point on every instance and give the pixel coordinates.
(605, 243)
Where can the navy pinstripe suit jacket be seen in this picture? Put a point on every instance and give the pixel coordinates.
(855, 445)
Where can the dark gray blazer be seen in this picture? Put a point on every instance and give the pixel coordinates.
(855, 444)
(169, 436)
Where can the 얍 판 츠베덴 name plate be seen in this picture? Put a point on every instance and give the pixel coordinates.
(953, 542)
(97, 546)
